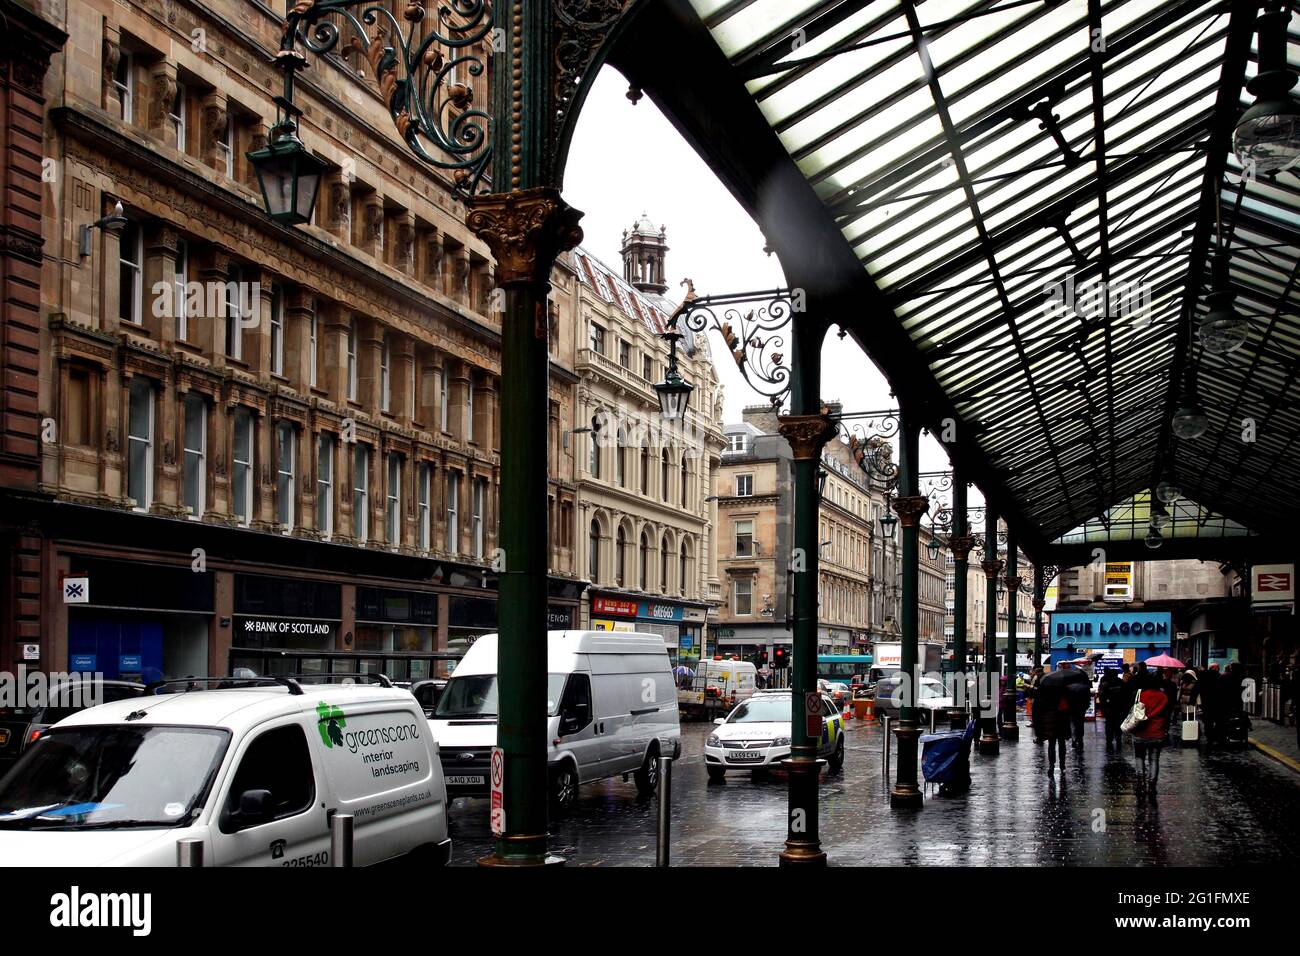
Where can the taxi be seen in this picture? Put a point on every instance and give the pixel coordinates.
(756, 735)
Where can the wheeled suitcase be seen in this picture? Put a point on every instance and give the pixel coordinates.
(1191, 726)
(1237, 729)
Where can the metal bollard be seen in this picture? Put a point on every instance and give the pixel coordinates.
(341, 839)
(932, 713)
(665, 809)
(189, 852)
(885, 722)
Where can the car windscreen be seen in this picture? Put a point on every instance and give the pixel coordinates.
(83, 778)
(474, 696)
(762, 709)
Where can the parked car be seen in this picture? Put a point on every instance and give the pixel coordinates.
(22, 727)
(931, 695)
(253, 772)
(426, 691)
(756, 735)
(839, 692)
(611, 704)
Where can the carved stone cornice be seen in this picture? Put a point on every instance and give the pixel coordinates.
(909, 509)
(991, 568)
(961, 546)
(807, 434)
(525, 230)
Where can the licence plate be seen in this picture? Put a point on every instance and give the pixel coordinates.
(743, 755)
(460, 780)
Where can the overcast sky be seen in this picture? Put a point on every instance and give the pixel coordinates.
(626, 160)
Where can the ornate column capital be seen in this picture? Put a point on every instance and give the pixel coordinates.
(807, 434)
(525, 230)
(1038, 603)
(961, 546)
(910, 508)
(1012, 582)
(991, 568)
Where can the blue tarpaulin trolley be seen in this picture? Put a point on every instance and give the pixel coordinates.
(945, 759)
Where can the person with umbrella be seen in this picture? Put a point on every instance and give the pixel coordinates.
(1116, 699)
(1079, 692)
(1051, 716)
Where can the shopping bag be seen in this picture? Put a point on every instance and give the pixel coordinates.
(1135, 716)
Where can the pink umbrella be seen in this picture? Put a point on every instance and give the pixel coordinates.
(1163, 660)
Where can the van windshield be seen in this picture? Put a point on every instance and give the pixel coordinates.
(475, 696)
(87, 778)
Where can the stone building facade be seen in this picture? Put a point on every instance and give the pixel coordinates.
(248, 428)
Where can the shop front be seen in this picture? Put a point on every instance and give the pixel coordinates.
(681, 625)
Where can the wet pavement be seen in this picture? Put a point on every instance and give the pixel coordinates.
(1213, 808)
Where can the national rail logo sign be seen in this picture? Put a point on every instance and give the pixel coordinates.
(1272, 583)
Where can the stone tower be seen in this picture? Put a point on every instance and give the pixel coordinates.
(643, 256)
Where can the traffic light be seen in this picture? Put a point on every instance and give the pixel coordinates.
(780, 655)
(762, 658)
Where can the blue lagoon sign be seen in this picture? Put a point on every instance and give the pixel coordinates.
(1100, 629)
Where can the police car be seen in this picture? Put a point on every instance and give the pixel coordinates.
(756, 735)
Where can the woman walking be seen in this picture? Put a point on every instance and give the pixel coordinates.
(1051, 719)
(1151, 732)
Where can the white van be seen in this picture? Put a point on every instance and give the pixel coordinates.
(254, 771)
(717, 687)
(611, 710)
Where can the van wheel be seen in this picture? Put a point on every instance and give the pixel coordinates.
(837, 759)
(716, 774)
(564, 789)
(647, 775)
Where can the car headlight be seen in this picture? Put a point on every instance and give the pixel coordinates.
(781, 742)
(713, 741)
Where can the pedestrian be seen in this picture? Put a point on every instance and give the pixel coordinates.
(1079, 692)
(1031, 686)
(1051, 721)
(1295, 701)
(1152, 732)
(1209, 692)
(1115, 700)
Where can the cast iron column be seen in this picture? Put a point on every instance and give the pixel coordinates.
(1039, 591)
(525, 228)
(1010, 729)
(807, 433)
(960, 544)
(910, 506)
(988, 695)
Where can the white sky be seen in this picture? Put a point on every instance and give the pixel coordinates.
(628, 159)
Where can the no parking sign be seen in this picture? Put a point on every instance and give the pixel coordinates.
(812, 703)
(498, 774)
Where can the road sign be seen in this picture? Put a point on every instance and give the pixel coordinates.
(812, 704)
(498, 773)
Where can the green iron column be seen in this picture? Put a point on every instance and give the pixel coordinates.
(960, 544)
(988, 694)
(807, 429)
(910, 506)
(526, 228)
(1010, 729)
(1039, 590)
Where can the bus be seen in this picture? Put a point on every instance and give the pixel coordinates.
(843, 667)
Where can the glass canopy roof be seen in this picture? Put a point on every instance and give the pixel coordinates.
(1130, 520)
(1037, 188)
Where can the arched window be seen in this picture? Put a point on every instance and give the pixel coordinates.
(665, 556)
(593, 552)
(620, 558)
(685, 482)
(593, 462)
(645, 561)
(682, 572)
(663, 475)
(620, 462)
(645, 466)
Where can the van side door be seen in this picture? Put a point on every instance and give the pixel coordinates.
(577, 726)
(270, 809)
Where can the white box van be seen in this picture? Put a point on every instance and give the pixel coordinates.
(253, 771)
(611, 709)
(717, 687)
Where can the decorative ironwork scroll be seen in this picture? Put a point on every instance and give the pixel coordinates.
(750, 323)
(413, 66)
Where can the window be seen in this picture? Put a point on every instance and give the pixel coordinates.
(277, 763)
(745, 539)
(393, 501)
(385, 382)
(645, 466)
(620, 558)
(313, 334)
(139, 479)
(453, 512)
(685, 482)
(593, 552)
(647, 368)
(593, 460)
(744, 486)
(284, 472)
(242, 456)
(180, 278)
(663, 474)
(196, 446)
(597, 339)
(124, 83)
(624, 353)
(413, 402)
(325, 485)
(235, 313)
(742, 590)
(129, 280)
(442, 398)
(737, 442)
(645, 562)
(469, 404)
(352, 360)
(620, 461)
(361, 493)
(423, 494)
(226, 148)
(665, 556)
(277, 330)
(78, 410)
(682, 576)
(480, 495)
(176, 116)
